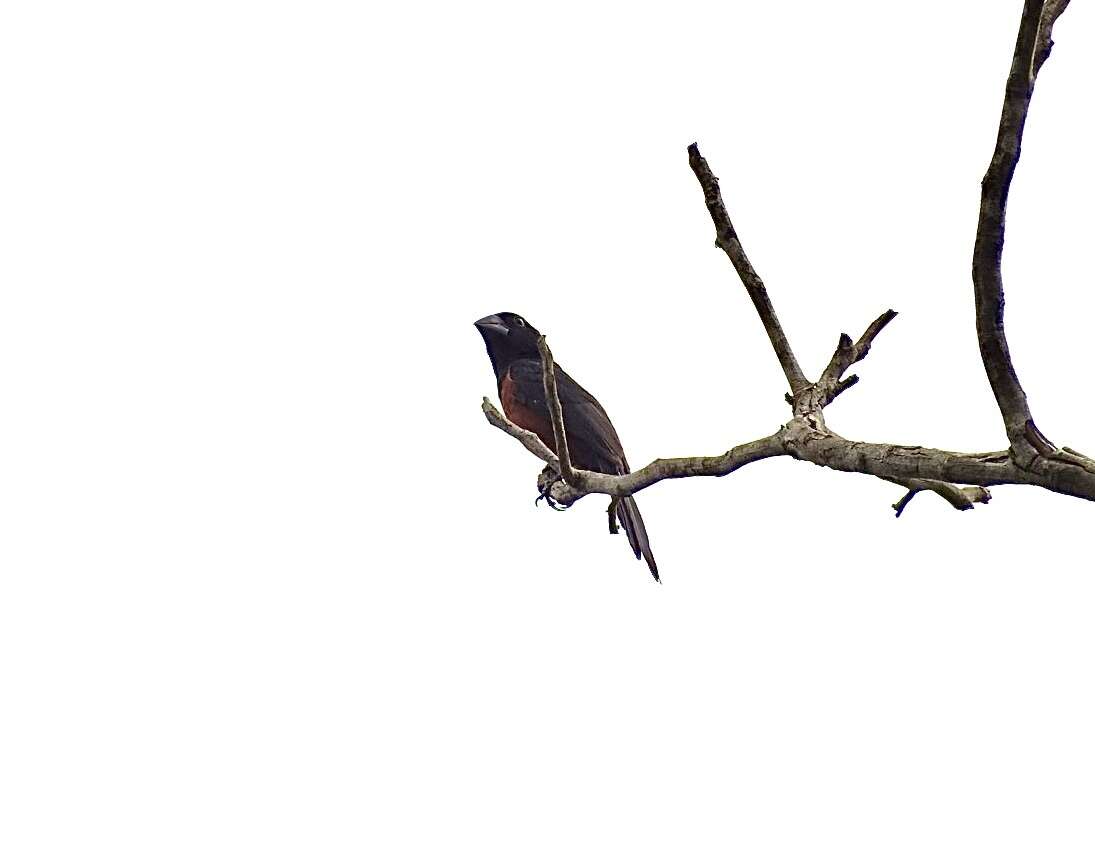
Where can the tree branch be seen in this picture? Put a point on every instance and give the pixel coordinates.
(587, 482)
(1032, 47)
(960, 498)
(847, 354)
(960, 478)
(727, 239)
(555, 409)
(1044, 43)
(916, 467)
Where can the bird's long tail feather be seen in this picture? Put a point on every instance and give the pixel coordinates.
(632, 522)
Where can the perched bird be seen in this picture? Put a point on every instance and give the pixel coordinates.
(594, 444)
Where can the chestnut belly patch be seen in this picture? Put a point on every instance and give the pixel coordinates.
(523, 415)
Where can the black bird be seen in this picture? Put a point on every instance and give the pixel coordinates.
(594, 444)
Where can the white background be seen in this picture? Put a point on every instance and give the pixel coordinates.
(273, 592)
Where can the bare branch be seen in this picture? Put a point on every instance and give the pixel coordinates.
(847, 354)
(1044, 44)
(960, 498)
(960, 478)
(1031, 50)
(1071, 456)
(898, 464)
(656, 471)
(915, 466)
(555, 408)
(681, 468)
(668, 468)
(727, 239)
(900, 505)
(843, 386)
(843, 357)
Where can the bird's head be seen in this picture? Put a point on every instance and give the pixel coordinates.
(509, 338)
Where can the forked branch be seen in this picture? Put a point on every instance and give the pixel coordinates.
(960, 478)
(830, 384)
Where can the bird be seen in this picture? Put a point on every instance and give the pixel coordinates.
(512, 345)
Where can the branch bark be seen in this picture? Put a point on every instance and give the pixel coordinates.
(726, 238)
(555, 409)
(960, 478)
(1032, 47)
(960, 498)
(847, 353)
(586, 482)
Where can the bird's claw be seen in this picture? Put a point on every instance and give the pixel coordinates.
(543, 484)
(547, 498)
(551, 501)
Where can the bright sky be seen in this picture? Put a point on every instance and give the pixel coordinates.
(273, 592)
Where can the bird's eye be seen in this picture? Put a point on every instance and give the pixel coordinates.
(520, 322)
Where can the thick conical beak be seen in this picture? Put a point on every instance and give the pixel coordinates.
(492, 323)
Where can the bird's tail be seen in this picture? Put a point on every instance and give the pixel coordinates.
(632, 522)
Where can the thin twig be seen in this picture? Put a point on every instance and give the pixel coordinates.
(727, 239)
(961, 498)
(555, 409)
(654, 472)
(847, 354)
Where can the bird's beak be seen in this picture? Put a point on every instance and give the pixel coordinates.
(492, 323)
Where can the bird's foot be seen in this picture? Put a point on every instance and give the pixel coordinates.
(548, 477)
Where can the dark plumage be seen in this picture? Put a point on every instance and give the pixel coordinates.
(593, 441)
